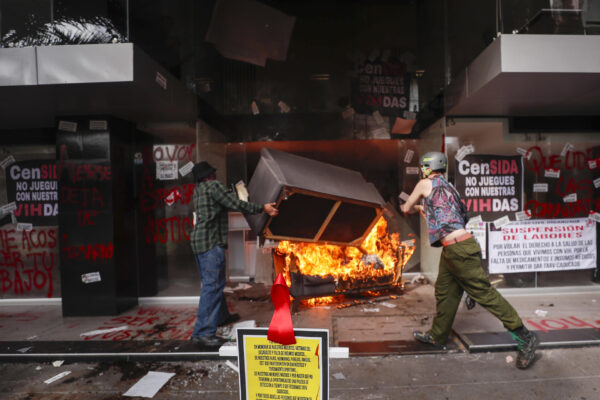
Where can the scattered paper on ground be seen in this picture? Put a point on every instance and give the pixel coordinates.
(56, 377)
(149, 385)
(339, 375)
(24, 349)
(232, 366)
(102, 331)
(58, 363)
(541, 313)
(242, 286)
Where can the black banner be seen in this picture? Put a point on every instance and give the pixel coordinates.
(490, 185)
(33, 186)
(382, 86)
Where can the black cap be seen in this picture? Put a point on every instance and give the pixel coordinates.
(202, 170)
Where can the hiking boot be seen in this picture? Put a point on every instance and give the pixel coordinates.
(527, 342)
(425, 337)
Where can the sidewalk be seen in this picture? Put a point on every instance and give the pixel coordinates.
(381, 325)
(409, 373)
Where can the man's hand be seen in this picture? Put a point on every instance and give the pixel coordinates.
(270, 209)
(420, 209)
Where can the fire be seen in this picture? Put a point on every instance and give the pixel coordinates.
(351, 265)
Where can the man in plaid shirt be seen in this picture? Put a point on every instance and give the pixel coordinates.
(208, 239)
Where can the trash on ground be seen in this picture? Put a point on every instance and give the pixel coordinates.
(339, 375)
(58, 363)
(102, 331)
(25, 349)
(376, 309)
(232, 366)
(56, 377)
(149, 385)
(418, 278)
(230, 332)
(509, 359)
(388, 304)
(541, 313)
(242, 286)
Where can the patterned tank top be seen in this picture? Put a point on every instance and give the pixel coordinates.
(442, 210)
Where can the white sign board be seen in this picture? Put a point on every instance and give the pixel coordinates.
(543, 245)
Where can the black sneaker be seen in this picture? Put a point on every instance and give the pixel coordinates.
(425, 337)
(208, 341)
(232, 319)
(527, 342)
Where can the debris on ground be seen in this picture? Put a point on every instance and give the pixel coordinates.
(418, 279)
(103, 331)
(541, 313)
(57, 377)
(232, 366)
(149, 385)
(339, 375)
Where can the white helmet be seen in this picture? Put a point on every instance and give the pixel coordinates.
(435, 161)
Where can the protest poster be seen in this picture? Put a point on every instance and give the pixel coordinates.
(490, 185)
(33, 187)
(543, 245)
(269, 370)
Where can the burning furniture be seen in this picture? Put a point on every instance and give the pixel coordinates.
(333, 238)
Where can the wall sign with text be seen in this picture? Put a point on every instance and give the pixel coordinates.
(490, 185)
(543, 245)
(269, 370)
(33, 186)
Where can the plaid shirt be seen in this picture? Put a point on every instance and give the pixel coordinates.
(212, 200)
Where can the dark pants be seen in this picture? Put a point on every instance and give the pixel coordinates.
(461, 271)
(212, 308)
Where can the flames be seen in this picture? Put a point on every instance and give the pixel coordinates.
(350, 266)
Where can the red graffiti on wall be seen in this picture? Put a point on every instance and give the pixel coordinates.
(82, 197)
(573, 160)
(163, 230)
(586, 203)
(152, 199)
(93, 252)
(567, 210)
(27, 265)
(173, 152)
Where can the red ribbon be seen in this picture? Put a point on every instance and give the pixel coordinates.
(281, 329)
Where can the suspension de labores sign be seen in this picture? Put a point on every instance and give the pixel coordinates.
(269, 370)
(543, 245)
(33, 186)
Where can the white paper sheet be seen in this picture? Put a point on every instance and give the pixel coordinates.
(56, 377)
(149, 385)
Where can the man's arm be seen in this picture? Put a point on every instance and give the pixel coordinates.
(230, 201)
(420, 190)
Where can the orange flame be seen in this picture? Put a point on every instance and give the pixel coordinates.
(348, 265)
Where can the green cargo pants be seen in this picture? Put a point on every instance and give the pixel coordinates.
(461, 271)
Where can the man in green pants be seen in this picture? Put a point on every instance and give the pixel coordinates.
(460, 267)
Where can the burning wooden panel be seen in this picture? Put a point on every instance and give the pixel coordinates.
(315, 270)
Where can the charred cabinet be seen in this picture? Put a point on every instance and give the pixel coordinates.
(317, 202)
